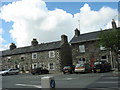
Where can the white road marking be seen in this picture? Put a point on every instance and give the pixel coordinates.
(69, 78)
(110, 88)
(111, 77)
(108, 82)
(37, 86)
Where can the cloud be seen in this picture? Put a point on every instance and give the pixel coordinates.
(32, 19)
(91, 20)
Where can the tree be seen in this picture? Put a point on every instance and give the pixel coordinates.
(110, 39)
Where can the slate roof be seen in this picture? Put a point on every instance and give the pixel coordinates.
(87, 37)
(30, 49)
(84, 37)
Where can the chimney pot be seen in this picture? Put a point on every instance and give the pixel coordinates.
(114, 26)
(64, 39)
(12, 46)
(34, 42)
(77, 32)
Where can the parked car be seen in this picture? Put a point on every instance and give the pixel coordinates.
(39, 71)
(84, 67)
(10, 71)
(68, 69)
(101, 66)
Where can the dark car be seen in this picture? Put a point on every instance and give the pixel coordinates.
(101, 66)
(39, 71)
(68, 69)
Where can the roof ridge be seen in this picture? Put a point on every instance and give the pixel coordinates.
(50, 42)
(99, 31)
(95, 31)
(28, 49)
(88, 36)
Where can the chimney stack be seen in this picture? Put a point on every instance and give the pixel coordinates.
(34, 42)
(12, 46)
(64, 39)
(114, 26)
(77, 32)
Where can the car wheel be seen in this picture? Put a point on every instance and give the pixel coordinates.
(63, 72)
(91, 71)
(102, 70)
(71, 72)
(39, 73)
(94, 71)
(76, 72)
(16, 73)
(33, 73)
(6, 73)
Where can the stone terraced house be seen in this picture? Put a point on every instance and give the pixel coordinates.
(85, 48)
(55, 55)
(52, 56)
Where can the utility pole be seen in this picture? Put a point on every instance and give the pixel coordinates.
(111, 60)
(79, 24)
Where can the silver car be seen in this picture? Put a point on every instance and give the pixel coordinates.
(10, 71)
(85, 67)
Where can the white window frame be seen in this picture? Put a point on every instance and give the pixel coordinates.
(82, 48)
(41, 65)
(104, 59)
(8, 58)
(102, 48)
(22, 57)
(51, 54)
(33, 65)
(49, 67)
(33, 55)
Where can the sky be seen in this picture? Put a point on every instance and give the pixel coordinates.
(23, 20)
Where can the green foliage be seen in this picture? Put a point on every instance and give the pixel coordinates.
(110, 39)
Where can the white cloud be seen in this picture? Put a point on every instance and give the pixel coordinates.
(91, 20)
(85, 8)
(32, 19)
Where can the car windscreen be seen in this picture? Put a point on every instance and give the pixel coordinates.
(66, 67)
(96, 63)
(79, 65)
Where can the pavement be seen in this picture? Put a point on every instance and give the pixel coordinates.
(116, 72)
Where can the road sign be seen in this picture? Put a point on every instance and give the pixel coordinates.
(52, 83)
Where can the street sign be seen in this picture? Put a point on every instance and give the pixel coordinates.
(52, 83)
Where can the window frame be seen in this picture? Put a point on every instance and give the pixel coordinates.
(33, 55)
(102, 48)
(9, 59)
(33, 65)
(49, 67)
(53, 54)
(104, 59)
(82, 48)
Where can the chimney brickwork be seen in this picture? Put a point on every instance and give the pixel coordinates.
(77, 32)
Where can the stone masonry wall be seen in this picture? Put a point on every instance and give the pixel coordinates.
(42, 57)
(92, 52)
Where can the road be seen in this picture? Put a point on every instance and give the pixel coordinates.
(90, 80)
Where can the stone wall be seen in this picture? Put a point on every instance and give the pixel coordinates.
(91, 54)
(26, 62)
(66, 55)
